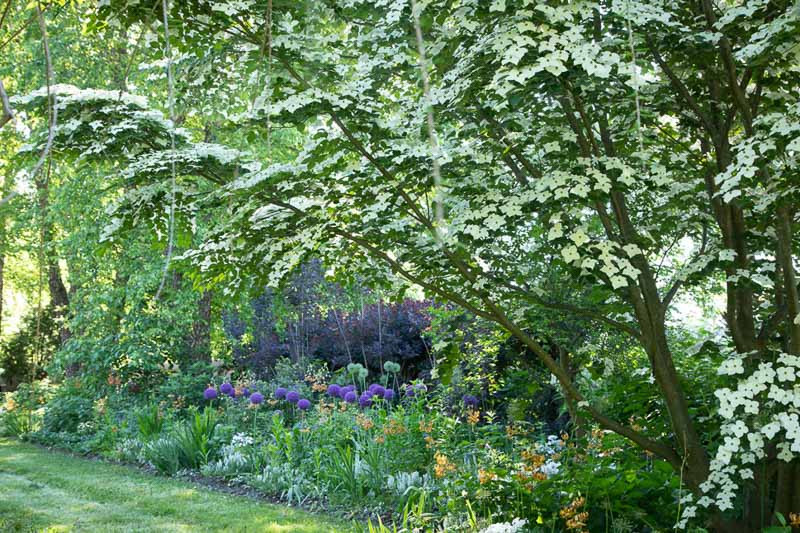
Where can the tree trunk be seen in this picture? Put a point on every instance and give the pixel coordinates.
(59, 298)
(2, 277)
(200, 340)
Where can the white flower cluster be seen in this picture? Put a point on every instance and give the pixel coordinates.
(764, 407)
(505, 527)
(235, 458)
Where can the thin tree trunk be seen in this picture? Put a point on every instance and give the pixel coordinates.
(2, 278)
(341, 333)
(59, 298)
(200, 341)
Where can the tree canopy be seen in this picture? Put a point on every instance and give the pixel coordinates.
(610, 163)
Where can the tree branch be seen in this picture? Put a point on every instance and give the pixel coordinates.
(679, 86)
(8, 113)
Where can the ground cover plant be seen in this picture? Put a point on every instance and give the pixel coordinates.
(446, 265)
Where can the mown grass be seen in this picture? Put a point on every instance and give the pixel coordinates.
(51, 491)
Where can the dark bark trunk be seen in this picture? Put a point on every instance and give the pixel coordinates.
(200, 340)
(59, 298)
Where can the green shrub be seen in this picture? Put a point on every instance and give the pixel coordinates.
(36, 340)
(66, 413)
(21, 412)
(186, 387)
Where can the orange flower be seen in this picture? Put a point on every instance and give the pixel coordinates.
(364, 422)
(794, 519)
(574, 518)
(535, 460)
(443, 465)
(473, 416)
(380, 439)
(485, 477)
(425, 428)
(394, 427)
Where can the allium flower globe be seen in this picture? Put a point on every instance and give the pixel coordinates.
(365, 400)
(226, 388)
(280, 393)
(256, 398)
(470, 400)
(350, 397)
(334, 390)
(210, 393)
(303, 404)
(293, 396)
(388, 395)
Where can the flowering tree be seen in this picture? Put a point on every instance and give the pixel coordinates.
(489, 151)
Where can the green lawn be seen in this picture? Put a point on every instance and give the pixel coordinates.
(41, 490)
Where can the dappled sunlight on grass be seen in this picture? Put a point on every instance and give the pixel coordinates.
(55, 492)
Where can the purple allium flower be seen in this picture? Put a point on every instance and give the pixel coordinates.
(365, 400)
(226, 388)
(350, 397)
(388, 395)
(410, 391)
(280, 393)
(303, 404)
(210, 393)
(293, 396)
(256, 398)
(470, 400)
(334, 390)
(373, 387)
(246, 392)
(378, 391)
